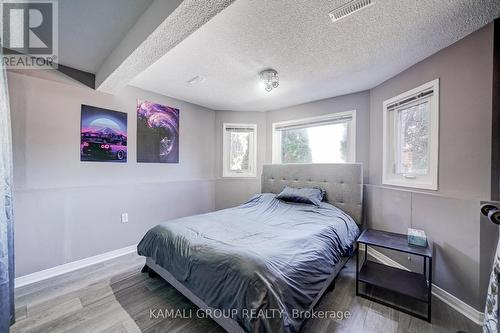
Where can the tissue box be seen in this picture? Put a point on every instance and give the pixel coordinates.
(417, 237)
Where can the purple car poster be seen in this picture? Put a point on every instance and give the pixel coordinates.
(103, 135)
(157, 133)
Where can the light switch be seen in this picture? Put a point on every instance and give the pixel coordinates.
(124, 217)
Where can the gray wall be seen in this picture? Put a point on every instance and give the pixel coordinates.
(63, 205)
(450, 216)
(232, 192)
(68, 210)
(465, 71)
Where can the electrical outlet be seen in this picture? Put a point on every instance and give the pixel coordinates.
(124, 217)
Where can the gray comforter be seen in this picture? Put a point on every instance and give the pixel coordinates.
(264, 262)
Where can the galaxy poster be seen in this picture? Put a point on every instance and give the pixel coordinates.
(157, 133)
(103, 135)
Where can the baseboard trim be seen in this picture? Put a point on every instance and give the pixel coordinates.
(468, 311)
(72, 266)
(476, 316)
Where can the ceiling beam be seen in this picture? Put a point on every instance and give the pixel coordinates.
(86, 78)
(160, 28)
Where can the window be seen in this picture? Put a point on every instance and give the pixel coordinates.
(239, 150)
(324, 139)
(411, 125)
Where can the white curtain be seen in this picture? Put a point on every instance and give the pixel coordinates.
(6, 217)
(491, 310)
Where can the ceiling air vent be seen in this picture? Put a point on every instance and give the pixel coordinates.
(349, 8)
(195, 81)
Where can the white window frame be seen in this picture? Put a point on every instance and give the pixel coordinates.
(351, 155)
(389, 175)
(252, 154)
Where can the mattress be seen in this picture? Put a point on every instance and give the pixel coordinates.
(263, 263)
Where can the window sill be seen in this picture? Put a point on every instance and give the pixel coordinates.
(240, 176)
(402, 183)
(277, 162)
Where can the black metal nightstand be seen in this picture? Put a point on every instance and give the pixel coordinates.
(414, 285)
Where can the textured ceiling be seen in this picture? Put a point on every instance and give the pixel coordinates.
(187, 18)
(315, 57)
(89, 30)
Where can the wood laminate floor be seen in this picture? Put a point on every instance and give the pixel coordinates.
(115, 297)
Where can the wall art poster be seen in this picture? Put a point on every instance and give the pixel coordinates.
(157, 133)
(103, 135)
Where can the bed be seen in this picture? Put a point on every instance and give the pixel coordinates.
(265, 264)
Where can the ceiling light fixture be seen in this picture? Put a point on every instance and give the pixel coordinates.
(270, 79)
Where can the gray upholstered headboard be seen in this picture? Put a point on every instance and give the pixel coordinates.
(343, 183)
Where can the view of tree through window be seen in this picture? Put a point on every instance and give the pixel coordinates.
(239, 153)
(413, 140)
(316, 144)
(295, 145)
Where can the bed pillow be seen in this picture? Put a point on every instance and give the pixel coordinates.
(307, 195)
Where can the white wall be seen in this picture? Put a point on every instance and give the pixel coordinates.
(67, 210)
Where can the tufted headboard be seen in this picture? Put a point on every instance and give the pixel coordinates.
(342, 182)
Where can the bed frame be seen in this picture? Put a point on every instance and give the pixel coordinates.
(343, 184)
